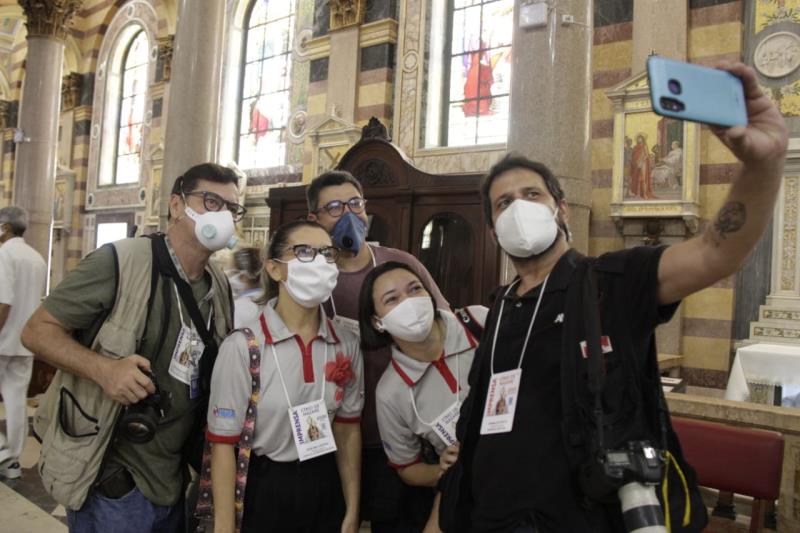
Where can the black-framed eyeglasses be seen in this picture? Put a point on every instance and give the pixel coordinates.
(214, 202)
(306, 253)
(336, 208)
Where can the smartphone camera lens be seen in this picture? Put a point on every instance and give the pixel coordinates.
(674, 86)
(672, 104)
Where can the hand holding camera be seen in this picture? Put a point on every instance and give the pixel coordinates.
(125, 380)
(140, 420)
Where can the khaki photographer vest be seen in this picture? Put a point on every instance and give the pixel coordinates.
(75, 420)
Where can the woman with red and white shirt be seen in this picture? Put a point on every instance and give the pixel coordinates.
(420, 392)
(304, 470)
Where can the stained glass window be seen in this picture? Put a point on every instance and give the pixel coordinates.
(266, 83)
(131, 110)
(477, 82)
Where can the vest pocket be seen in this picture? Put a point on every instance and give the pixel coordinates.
(74, 420)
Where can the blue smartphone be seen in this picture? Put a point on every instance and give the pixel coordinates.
(692, 92)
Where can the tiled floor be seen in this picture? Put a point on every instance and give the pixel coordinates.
(26, 506)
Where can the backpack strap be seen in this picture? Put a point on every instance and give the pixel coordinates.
(468, 321)
(205, 502)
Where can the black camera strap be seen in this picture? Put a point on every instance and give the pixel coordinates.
(595, 367)
(165, 265)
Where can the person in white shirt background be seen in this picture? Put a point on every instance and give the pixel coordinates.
(23, 274)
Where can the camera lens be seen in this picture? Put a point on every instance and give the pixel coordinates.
(671, 104)
(674, 86)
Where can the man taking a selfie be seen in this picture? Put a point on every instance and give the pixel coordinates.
(571, 344)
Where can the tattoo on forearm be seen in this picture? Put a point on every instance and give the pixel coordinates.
(730, 219)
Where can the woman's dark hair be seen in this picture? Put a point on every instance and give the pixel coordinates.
(279, 241)
(372, 339)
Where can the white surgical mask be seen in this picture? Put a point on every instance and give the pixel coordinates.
(526, 228)
(312, 283)
(214, 229)
(411, 320)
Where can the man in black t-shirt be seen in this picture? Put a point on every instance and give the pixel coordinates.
(517, 471)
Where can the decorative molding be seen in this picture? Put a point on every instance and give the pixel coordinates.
(71, 85)
(374, 173)
(297, 125)
(778, 54)
(49, 18)
(346, 13)
(789, 230)
(375, 130)
(166, 47)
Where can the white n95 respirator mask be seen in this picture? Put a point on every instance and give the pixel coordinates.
(214, 229)
(310, 283)
(411, 320)
(526, 228)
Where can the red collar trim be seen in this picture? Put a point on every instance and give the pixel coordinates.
(265, 329)
(400, 372)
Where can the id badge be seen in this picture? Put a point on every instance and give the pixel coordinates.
(311, 430)
(445, 424)
(348, 324)
(501, 402)
(186, 356)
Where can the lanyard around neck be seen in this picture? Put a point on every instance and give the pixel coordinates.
(458, 389)
(283, 382)
(530, 327)
(180, 312)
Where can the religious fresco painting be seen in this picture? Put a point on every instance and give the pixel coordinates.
(653, 157)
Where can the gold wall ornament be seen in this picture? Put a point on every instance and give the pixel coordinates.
(71, 90)
(346, 13)
(49, 18)
(166, 47)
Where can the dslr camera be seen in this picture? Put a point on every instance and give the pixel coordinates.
(632, 473)
(140, 420)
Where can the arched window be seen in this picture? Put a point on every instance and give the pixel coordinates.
(130, 117)
(469, 74)
(266, 82)
(124, 108)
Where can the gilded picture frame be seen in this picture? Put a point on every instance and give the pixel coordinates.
(655, 160)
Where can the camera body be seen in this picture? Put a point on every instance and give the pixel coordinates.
(639, 461)
(140, 420)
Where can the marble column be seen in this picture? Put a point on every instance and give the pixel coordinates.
(659, 26)
(37, 146)
(550, 117)
(195, 91)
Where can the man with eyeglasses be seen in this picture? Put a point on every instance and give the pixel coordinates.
(133, 314)
(336, 201)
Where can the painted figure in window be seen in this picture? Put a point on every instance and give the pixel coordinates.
(133, 126)
(641, 169)
(259, 122)
(479, 84)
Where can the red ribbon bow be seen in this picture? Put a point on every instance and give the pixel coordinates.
(339, 371)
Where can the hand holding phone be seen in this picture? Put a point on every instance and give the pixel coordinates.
(692, 92)
(760, 139)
